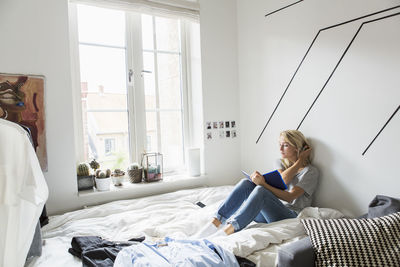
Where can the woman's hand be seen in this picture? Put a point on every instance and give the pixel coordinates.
(303, 155)
(257, 178)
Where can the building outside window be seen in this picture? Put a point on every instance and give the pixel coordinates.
(109, 145)
(133, 88)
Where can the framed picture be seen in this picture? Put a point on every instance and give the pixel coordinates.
(22, 102)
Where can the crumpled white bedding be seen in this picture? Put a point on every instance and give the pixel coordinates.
(173, 214)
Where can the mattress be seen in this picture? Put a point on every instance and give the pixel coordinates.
(174, 215)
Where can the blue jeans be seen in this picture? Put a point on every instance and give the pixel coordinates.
(248, 202)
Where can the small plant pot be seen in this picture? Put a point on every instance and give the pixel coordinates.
(85, 182)
(117, 180)
(103, 184)
(135, 176)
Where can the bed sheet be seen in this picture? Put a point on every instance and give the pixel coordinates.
(173, 214)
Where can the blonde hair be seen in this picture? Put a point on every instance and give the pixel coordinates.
(298, 141)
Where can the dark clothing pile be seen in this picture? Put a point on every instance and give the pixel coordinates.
(97, 252)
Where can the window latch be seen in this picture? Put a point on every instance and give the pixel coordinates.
(130, 74)
(145, 71)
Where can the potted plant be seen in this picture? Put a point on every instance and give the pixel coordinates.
(103, 179)
(135, 173)
(85, 180)
(118, 177)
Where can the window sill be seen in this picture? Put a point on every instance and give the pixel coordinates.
(168, 184)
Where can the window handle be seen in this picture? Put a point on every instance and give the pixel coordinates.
(145, 71)
(130, 74)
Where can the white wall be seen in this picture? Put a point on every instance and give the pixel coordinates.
(220, 87)
(358, 100)
(35, 40)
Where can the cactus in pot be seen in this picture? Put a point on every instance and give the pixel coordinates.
(103, 179)
(135, 173)
(118, 177)
(100, 174)
(85, 180)
(82, 169)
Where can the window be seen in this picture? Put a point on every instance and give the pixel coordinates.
(109, 146)
(133, 88)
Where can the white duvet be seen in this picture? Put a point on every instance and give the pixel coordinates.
(175, 215)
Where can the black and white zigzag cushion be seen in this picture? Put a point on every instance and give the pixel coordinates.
(356, 242)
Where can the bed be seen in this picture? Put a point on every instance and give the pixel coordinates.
(174, 215)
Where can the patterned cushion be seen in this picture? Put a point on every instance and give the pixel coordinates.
(356, 242)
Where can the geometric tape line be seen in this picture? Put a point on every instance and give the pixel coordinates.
(373, 140)
(304, 57)
(283, 8)
(341, 58)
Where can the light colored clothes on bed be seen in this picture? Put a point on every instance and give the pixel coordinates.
(171, 252)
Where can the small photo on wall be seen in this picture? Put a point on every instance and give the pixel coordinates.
(221, 124)
(222, 134)
(215, 125)
(228, 134)
(233, 124)
(209, 135)
(208, 125)
(227, 124)
(233, 133)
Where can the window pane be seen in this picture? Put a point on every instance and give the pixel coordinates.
(151, 128)
(168, 34)
(149, 80)
(103, 66)
(171, 138)
(101, 26)
(147, 32)
(169, 81)
(105, 137)
(105, 101)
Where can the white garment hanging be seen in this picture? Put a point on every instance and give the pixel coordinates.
(23, 193)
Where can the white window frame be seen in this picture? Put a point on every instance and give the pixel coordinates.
(135, 88)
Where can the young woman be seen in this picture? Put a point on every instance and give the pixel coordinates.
(261, 202)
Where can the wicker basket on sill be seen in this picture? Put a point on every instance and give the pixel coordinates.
(135, 174)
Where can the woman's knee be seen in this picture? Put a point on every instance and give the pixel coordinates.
(261, 191)
(245, 182)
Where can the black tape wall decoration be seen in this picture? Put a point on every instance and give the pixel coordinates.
(373, 140)
(304, 57)
(283, 8)
(341, 58)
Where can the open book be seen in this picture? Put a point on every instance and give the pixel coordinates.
(273, 178)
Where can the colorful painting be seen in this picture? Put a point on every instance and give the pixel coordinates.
(22, 101)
